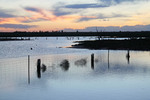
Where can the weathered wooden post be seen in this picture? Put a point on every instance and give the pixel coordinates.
(28, 69)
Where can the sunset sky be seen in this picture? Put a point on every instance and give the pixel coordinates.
(69, 15)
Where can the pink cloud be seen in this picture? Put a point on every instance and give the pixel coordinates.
(38, 14)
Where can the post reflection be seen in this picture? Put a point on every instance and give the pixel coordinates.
(65, 65)
(128, 56)
(43, 68)
(81, 62)
(92, 61)
(39, 68)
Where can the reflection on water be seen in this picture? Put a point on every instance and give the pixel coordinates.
(92, 61)
(81, 62)
(98, 63)
(39, 68)
(65, 65)
(43, 68)
(128, 56)
(100, 72)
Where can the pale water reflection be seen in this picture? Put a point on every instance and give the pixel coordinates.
(94, 75)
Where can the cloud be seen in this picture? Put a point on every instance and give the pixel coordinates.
(37, 10)
(32, 9)
(112, 28)
(100, 4)
(5, 17)
(113, 15)
(83, 6)
(114, 2)
(101, 16)
(5, 14)
(33, 20)
(17, 26)
(60, 11)
(38, 14)
(85, 19)
(137, 27)
(57, 14)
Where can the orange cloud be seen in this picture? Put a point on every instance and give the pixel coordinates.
(38, 14)
(8, 20)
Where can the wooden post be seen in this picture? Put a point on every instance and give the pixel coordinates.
(108, 58)
(28, 69)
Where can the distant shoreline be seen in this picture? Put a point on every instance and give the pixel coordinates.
(133, 44)
(14, 39)
(65, 34)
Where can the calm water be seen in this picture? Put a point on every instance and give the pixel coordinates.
(71, 74)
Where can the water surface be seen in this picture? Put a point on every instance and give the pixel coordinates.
(71, 74)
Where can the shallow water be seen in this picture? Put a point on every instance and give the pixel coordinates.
(71, 74)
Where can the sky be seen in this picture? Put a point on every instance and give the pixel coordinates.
(73, 15)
